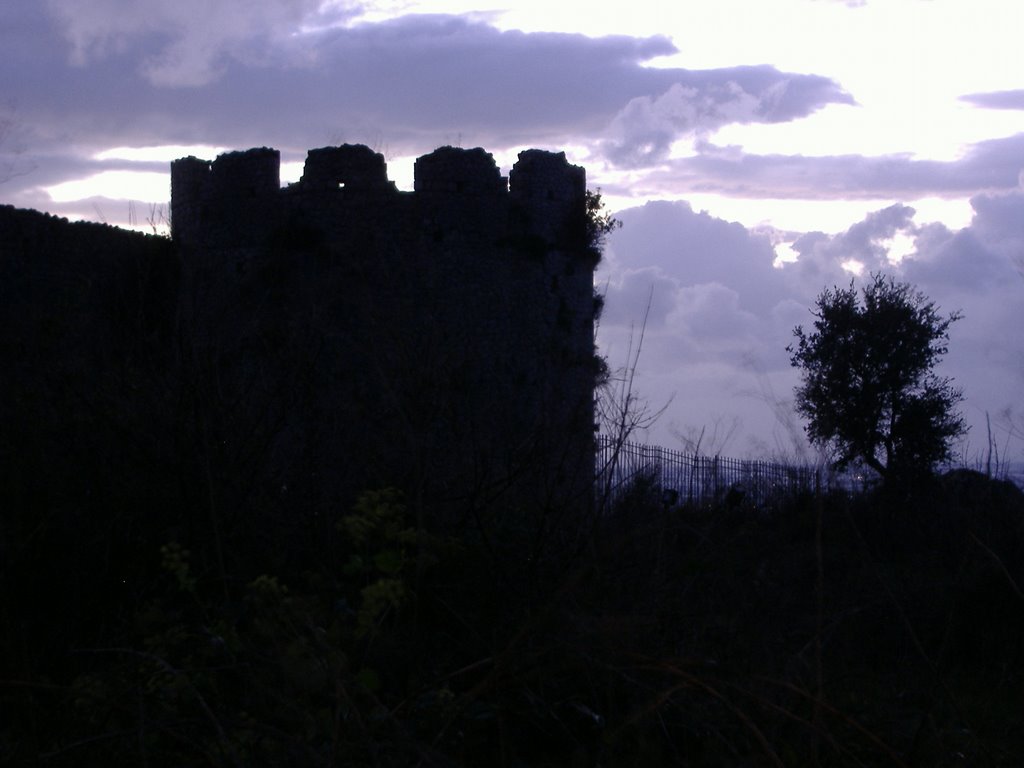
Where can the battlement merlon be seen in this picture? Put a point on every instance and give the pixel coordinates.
(551, 192)
(235, 181)
(190, 180)
(349, 166)
(452, 170)
(542, 184)
(542, 175)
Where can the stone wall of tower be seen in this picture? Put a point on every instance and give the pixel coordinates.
(457, 317)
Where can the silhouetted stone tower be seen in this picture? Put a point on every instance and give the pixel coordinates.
(442, 337)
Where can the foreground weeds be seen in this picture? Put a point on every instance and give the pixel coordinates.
(825, 632)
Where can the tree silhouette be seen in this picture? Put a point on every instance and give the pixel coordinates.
(868, 389)
(599, 223)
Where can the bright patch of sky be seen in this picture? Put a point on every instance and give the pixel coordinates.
(899, 246)
(919, 128)
(854, 267)
(160, 154)
(785, 254)
(829, 216)
(124, 185)
(291, 171)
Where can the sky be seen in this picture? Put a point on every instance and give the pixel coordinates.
(756, 153)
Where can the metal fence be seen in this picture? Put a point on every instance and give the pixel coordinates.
(703, 479)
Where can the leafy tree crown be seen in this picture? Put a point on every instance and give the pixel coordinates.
(868, 389)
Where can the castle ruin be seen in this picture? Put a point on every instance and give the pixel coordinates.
(332, 335)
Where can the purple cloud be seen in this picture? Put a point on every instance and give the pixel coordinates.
(996, 99)
(989, 165)
(821, 256)
(187, 40)
(697, 103)
(90, 75)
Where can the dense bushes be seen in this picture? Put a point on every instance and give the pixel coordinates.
(833, 631)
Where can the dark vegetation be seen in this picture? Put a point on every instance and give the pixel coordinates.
(827, 631)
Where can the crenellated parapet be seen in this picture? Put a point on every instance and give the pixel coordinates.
(237, 198)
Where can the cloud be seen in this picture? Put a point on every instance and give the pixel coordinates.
(711, 314)
(994, 164)
(695, 248)
(999, 224)
(821, 257)
(185, 40)
(155, 75)
(980, 259)
(411, 82)
(996, 99)
(979, 271)
(698, 103)
(713, 311)
(634, 294)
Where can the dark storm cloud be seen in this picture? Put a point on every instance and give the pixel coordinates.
(996, 99)
(428, 74)
(185, 40)
(92, 75)
(989, 165)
